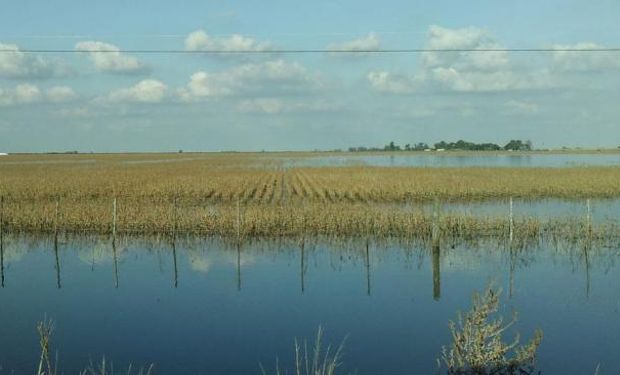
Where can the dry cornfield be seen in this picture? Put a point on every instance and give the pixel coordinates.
(255, 195)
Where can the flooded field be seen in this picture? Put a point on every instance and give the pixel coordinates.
(599, 210)
(222, 260)
(204, 306)
(448, 159)
(453, 159)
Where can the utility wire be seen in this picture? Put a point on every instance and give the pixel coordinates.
(315, 51)
(183, 36)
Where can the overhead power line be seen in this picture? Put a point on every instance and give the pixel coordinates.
(311, 51)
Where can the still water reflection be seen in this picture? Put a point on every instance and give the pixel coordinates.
(204, 306)
(434, 159)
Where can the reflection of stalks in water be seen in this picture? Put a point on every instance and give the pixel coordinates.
(238, 266)
(436, 273)
(367, 268)
(477, 346)
(2, 240)
(586, 256)
(302, 266)
(115, 257)
(57, 259)
(1, 255)
(316, 362)
(174, 260)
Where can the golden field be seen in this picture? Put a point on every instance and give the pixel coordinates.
(254, 194)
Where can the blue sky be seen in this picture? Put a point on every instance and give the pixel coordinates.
(118, 101)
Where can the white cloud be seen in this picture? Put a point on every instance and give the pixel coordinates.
(60, 94)
(273, 106)
(369, 42)
(251, 79)
(28, 93)
(474, 81)
(21, 94)
(442, 38)
(202, 84)
(145, 91)
(391, 83)
(199, 40)
(468, 70)
(461, 71)
(17, 64)
(577, 61)
(108, 58)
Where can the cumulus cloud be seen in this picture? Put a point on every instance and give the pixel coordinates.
(272, 106)
(369, 42)
(468, 70)
(472, 38)
(251, 79)
(199, 40)
(579, 61)
(202, 84)
(15, 64)
(458, 70)
(59, 94)
(108, 58)
(145, 91)
(27, 93)
(387, 82)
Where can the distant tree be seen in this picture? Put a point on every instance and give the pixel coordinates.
(461, 144)
(420, 146)
(392, 147)
(441, 144)
(488, 147)
(518, 145)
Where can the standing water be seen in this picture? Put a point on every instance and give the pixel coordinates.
(204, 306)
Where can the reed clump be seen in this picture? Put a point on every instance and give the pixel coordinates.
(477, 346)
(313, 360)
(49, 366)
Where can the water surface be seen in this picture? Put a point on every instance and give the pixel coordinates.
(203, 306)
(435, 159)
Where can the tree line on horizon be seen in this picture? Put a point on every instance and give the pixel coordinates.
(460, 145)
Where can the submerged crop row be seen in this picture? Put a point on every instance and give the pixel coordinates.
(335, 219)
(246, 195)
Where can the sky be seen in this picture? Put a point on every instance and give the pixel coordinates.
(123, 101)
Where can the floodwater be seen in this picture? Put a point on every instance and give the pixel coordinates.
(598, 211)
(347, 159)
(202, 306)
(438, 159)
